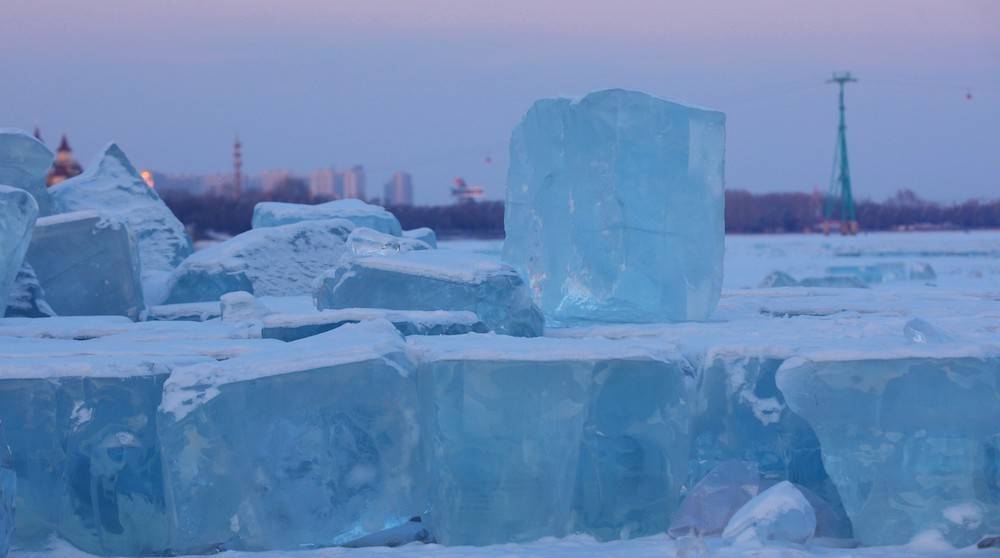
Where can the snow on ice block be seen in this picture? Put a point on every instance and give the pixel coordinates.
(83, 435)
(26, 297)
(369, 242)
(779, 514)
(541, 437)
(110, 184)
(88, 264)
(434, 280)
(276, 261)
(291, 327)
(615, 208)
(911, 439)
(8, 493)
(18, 211)
(709, 506)
(272, 214)
(423, 234)
(24, 162)
(315, 443)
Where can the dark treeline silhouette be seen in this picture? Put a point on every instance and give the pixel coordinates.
(206, 214)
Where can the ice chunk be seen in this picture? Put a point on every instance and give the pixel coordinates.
(542, 437)
(241, 306)
(920, 331)
(8, 493)
(778, 279)
(279, 260)
(906, 438)
(423, 234)
(272, 214)
(24, 162)
(111, 185)
(18, 211)
(328, 452)
(709, 506)
(780, 513)
(290, 327)
(190, 311)
(87, 264)
(615, 207)
(921, 271)
(834, 281)
(369, 242)
(434, 280)
(26, 297)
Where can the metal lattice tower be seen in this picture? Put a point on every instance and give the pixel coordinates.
(237, 168)
(840, 182)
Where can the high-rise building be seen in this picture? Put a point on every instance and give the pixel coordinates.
(270, 179)
(399, 190)
(323, 183)
(353, 183)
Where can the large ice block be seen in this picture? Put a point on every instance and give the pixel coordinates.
(272, 214)
(541, 437)
(88, 264)
(18, 211)
(24, 162)
(615, 208)
(434, 280)
(111, 185)
(27, 297)
(8, 493)
(278, 261)
(315, 443)
(911, 439)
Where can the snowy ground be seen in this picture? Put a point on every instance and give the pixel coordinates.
(961, 304)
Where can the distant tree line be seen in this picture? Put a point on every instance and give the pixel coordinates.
(206, 215)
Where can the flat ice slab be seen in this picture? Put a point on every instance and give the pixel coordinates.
(272, 214)
(615, 208)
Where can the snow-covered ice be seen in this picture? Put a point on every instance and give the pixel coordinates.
(434, 280)
(370, 242)
(277, 260)
(780, 513)
(88, 264)
(110, 184)
(272, 214)
(24, 162)
(614, 207)
(18, 211)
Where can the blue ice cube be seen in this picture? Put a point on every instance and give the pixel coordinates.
(278, 260)
(272, 214)
(87, 264)
(434, 280)
(18, 211)
(316, 443)
(24, 162)
(615, 208)
(912, 442)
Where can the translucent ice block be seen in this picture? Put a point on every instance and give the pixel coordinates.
(615, 207)
(18, 211)
(271, 214)
(24, 162)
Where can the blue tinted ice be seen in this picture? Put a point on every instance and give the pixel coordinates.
(615, 207)
(313, 443)
(18, 211)
(434, 280)
(271, 214)
(8, 493)
(424, 234)
(24, 162)
(277, 261)
(369, 242)
(779, 514)
(26, 297)
(912, 443)
(707, 508)
(111, 185)
(87, 264)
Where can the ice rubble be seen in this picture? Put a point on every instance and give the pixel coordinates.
(331, 452)
(18, 211)
(434, 280)
(277, 260)
(110, 184)
(88, 264)
(24, 162)
(615, 207)
(272, 214)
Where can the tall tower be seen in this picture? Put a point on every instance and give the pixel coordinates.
(237, 168)
(840, 183)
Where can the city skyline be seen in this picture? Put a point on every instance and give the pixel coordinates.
(288, 80)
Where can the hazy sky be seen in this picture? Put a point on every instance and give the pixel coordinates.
(436, 86)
